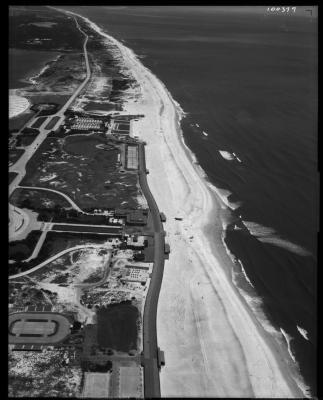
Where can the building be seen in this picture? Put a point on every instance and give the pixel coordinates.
(87, 124)
(132, 217)
(136, 242)
(136, 273)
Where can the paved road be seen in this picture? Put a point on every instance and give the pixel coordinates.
(67, 198)
(20, 166)
(151, 371)
(61, 253)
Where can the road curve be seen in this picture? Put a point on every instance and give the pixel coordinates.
(49, 260)
(67, 198)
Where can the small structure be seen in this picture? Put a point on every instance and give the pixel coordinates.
(136, 273)
(162, 217)
(136, 242)
(132, 157)
(166, 248)
(160, 358)
(87, 124)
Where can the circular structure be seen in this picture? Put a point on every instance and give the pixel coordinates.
(37, 328)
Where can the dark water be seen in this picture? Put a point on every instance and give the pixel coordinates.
(25, 64)
(249, 81)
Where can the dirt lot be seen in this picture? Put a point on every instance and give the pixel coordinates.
(86, 173)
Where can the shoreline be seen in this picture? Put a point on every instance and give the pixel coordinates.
(33, 79)
(183, 183)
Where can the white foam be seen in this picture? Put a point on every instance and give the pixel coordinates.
(226, 155)
(236, 157)
(223, 194)
(288, 338)
(269, 235)
(303, 332)
(244, 273)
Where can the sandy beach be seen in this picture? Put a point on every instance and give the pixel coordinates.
(214, 346)
(17, 104)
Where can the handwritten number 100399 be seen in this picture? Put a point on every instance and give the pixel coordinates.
(282, 9)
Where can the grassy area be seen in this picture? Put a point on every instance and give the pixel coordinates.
(89, 229)
(15, 154)
(117, 326)
(12, 176)
(36, 200)
(53, 244)
(39, 121)
(16, 123)
(52, 123)
(89, 175)
(19, 250)
(52, 207)
(24, 28)
(59, 99)
(25, 140)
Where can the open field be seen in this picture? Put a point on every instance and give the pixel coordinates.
(86, 173)
(15, 154)
(50, 97)
(52, 206)
(37, 200)
(39, 121)
(52, 123)
(88, 229)
(130, 382)
(54, 243)
(20, 250)
(117, 327)
(20, 120)
(12, 176)
(96, 385)
(25, 140)
(27, 25)
(104, 107)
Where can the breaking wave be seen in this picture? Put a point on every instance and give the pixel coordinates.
(269, 235)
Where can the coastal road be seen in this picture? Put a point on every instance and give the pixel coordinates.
(151, 371)
(20, 166)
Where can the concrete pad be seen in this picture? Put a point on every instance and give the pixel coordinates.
(96, 385)
(130, 382)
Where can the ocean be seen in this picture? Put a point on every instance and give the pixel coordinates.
(248, 85)
(25, 64)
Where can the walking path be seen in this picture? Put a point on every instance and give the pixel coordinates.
(49, 260)
(67, 198)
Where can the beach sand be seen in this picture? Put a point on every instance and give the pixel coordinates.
(213, 344)
(17, 104)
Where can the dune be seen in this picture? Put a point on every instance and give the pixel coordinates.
(213, 344)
